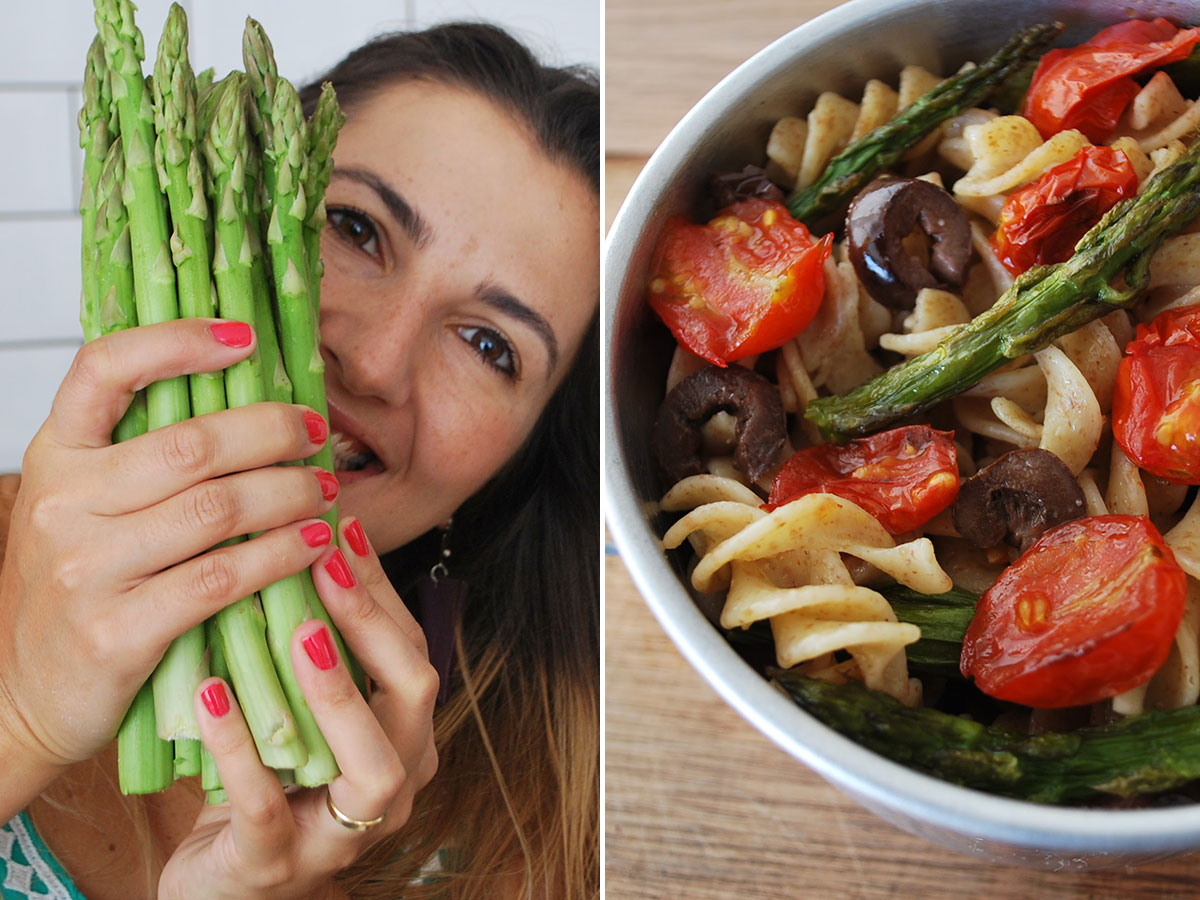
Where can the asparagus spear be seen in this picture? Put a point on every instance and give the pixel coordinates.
(181, 177)
(153, 272)
(177, 160)
(284, 159)
(206, 98)
(262, 75)
(154, 294)
(279, 386)
(113, 261)
(849, 171)
(1109, 270)
(278, 119)
(187, 759)
(286, 149)
(145, 762)
(943, 620)
(1151, 752)
(210, 779)
(96, 130)
(204, 79)
(242, 626)
(327, 119)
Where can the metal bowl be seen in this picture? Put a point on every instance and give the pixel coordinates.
(838, 51)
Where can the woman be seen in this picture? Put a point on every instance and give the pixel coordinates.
(459, 330)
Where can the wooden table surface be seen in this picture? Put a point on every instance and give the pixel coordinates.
(699, 805)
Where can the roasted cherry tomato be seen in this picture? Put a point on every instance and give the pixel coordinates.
(1043, 221)
(1088, 87)
(1156, 400)
(1088, 612)
(745, 283)
(903, 477)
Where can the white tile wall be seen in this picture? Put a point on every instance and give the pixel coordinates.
(33, 372)
(46, 41)
(307, 38)
(559, 31)
(43, 45)
(35, 170)
(40, 258)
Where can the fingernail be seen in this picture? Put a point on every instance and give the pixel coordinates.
(318, 534)
(215, 699)
(357, 538)
(339, 570)
(317, 429)
(319, 648)
(329, 484)
(232, 334)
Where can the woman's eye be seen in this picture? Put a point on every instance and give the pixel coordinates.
(492, 348)
(356, 228)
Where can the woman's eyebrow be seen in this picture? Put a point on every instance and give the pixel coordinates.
(504, 302)
(418, 230)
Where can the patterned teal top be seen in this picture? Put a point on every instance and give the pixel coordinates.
(28, 868)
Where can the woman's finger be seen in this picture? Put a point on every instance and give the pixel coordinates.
(173, 601)
(368, 570)
(262, 828)
(164, 462)
(221, 508)
(372, 771)
(107, 372)
(383, 645)
(406, 685)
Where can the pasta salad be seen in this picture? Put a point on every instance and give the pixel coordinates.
(931, 429)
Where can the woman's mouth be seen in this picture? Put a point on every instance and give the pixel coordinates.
(353, 458)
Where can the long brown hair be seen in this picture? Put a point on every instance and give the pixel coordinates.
(514, 809)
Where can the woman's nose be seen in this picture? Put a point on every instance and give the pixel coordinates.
(380, 355)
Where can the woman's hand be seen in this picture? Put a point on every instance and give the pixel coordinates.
(268, 843)
(109, 552)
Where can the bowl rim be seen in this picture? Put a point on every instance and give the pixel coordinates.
(872, 779)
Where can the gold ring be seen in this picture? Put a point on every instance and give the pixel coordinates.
(346, 821)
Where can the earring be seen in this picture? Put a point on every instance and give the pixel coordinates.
(443, 600)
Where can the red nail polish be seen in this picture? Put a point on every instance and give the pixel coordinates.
(319, 648)
(357, 538)
(318, 534)
(232, 334)
(339, 570)
(329, 484)
(318, 431)
(215, 699)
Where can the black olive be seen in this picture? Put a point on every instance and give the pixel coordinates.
(1017, 499)
(883, 214)
(730, 187)
(753, 401)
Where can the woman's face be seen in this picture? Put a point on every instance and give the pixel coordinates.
(461, 270)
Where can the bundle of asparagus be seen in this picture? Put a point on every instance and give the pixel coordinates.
(183, 178)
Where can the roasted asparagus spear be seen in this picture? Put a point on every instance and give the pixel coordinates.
(1147, 753)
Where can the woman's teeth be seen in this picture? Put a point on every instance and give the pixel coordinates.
(348, 454)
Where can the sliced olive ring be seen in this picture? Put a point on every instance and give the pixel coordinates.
(752, 400)
(886, 212)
